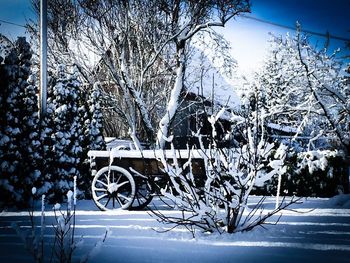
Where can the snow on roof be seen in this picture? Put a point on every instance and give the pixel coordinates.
(283, 128)
(147, 154)
(204, 79)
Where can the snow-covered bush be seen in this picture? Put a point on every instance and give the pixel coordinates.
(230, 176)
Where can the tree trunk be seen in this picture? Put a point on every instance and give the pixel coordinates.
(173, 102)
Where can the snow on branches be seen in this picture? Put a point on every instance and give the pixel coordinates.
(43, 153)
(304, 87)
(219, 201)
(19, 143)
(94, 123)
(67, 129)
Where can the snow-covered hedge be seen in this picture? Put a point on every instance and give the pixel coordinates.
(312, 173)
(45, 153)
(19, 133)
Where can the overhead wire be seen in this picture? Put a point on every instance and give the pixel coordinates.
(11, 23)
(327, 35)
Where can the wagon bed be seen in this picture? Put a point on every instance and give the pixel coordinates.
(126, 178)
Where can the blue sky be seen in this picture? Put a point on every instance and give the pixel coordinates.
(316, 15)
(248, 37)
(16, 11)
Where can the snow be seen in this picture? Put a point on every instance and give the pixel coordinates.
(147, 154)
(113, 142)
(283, 128)
(315, 160)
(319, 231)
(205, 79)
(172, 105)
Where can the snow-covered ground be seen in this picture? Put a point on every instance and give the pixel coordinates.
(319, 231)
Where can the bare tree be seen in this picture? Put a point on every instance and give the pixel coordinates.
(188, 18)
(142, 45)
(305, 88)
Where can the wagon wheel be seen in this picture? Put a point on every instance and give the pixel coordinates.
(144, 193)
(113, 188)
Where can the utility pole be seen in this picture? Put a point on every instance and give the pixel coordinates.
(43, 58)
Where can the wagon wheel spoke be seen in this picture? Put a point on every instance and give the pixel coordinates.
(109, 198)
(101, 196)
(119, 201)
(104, 184)
(123, 183)
(100, 189)
(139, 196)
(106, 177)
(124, 197)
(118, 179)
(139, 200)
(143, 195)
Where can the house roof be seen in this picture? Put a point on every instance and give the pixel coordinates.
(282, 128)
(204, 79)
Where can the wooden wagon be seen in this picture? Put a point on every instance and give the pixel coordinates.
(128, 179)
